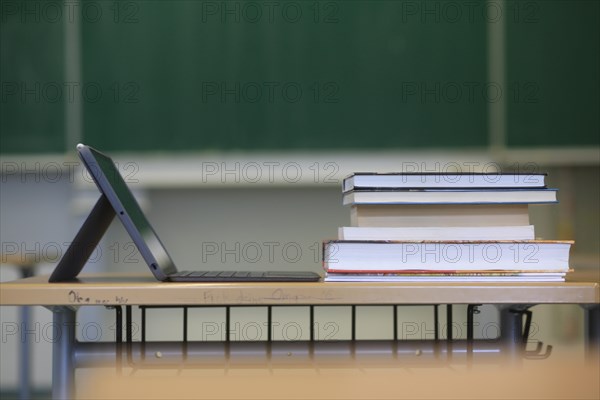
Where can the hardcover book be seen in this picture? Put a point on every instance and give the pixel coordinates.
(472, 180)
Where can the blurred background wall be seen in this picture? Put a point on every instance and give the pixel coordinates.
(236, 121)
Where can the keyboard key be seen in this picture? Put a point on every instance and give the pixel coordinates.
(181, 273)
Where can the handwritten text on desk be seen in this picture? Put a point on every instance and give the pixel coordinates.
(76, 298)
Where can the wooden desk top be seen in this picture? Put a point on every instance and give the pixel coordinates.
(129, 289)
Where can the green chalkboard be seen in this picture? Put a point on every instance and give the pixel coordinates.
(187, 75)
(198, 75)
(32, 84)
(553, 73)
(293, 75)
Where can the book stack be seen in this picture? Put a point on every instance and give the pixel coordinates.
(444, 227)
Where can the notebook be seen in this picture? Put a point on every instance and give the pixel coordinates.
(117, 199)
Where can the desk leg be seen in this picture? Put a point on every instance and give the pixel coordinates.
(511, 332)
(25, 358)
(63, 353)
(592, 333)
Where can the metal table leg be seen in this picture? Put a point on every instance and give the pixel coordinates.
(63, 353)
(25, 356)
(449, 326)
(592, 333)
(472, 309)
(511, 332)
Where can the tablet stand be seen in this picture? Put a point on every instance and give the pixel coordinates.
(85, 241)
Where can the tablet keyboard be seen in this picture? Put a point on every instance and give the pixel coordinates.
(244, 276)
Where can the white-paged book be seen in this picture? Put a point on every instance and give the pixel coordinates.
(349, 256)
(426, 196)
(438, 215)
(525, 232)
(394, 180)
(516, 277)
